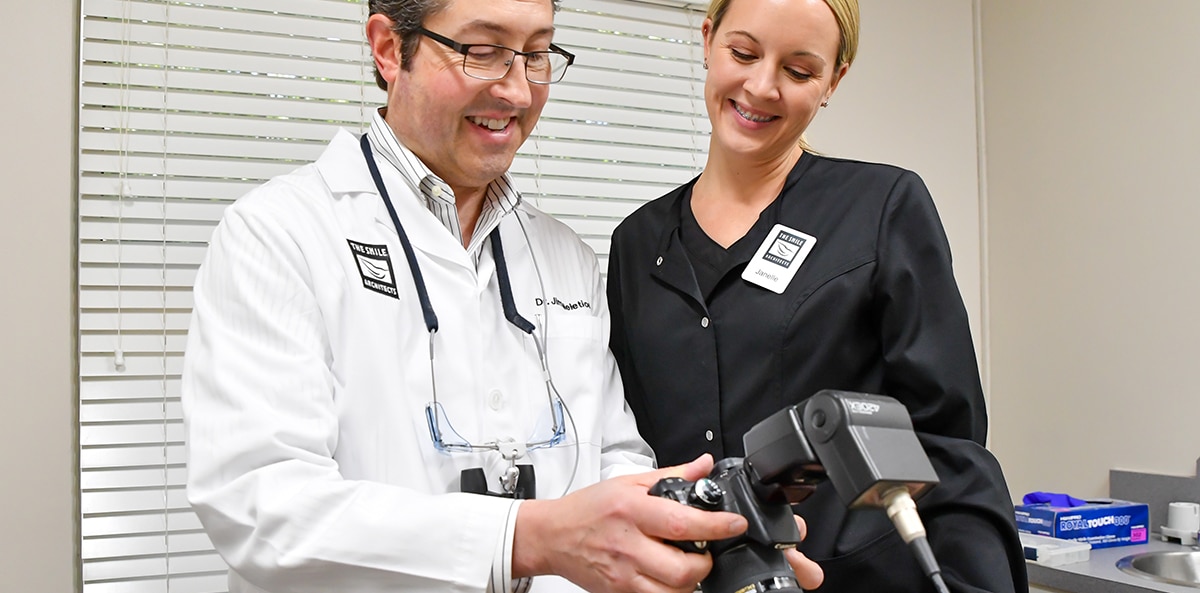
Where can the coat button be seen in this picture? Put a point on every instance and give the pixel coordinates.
(495, 399)
(659, 262)
(708, 435)
(704, 322)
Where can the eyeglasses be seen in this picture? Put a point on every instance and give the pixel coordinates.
(548, 432)
(450, 440)
(447, 440)
(485, 61)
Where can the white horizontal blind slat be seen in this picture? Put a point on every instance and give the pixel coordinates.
(186, 106)
(627, 124)
(183, 108)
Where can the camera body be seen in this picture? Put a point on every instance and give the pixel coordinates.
(754, 556)
(863, 443)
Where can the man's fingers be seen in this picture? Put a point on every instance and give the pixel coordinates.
(668, 569)
(691, 471)
(802, 526)
(694, 469)
(645, 584)
(808, 573)
(667, 519)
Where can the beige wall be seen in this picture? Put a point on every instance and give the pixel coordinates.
(1080, 281)
(37, 397)
(1093, 140)
(909, 100)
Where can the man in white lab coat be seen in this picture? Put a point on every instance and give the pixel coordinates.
(371, 325)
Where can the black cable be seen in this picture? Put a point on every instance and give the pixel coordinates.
(903, 512)
(929, 564)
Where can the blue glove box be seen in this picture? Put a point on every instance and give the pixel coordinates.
(1102, 523)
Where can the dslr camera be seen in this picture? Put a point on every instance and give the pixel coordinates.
(863, 443)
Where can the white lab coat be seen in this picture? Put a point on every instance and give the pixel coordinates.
(309, 458)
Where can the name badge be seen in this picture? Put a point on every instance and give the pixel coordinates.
(778, 258)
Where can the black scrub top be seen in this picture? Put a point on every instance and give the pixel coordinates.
(874, 308)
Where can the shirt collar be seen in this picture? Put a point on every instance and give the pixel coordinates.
(500, 199)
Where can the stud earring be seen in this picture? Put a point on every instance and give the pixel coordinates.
(706, 63)
(825, 104)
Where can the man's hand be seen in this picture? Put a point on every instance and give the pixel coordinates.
(808, 573)
(609, 536)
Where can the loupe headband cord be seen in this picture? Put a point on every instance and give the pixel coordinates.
(506, 296)
(507, 302)
(431, 320)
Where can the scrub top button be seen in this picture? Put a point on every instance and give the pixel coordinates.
(704, 322)
(708, 435)
(495, 400)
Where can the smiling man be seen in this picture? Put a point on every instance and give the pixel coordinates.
(383, 389)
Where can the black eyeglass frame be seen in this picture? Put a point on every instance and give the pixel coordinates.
(465, 48)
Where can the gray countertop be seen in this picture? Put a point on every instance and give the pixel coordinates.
(1101, 575)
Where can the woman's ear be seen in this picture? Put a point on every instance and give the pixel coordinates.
(385, 46)
(706, 30)
(839, 74)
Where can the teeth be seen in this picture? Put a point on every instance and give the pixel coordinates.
(494, 125)
(753, 118)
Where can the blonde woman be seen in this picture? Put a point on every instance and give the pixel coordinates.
(778, 272)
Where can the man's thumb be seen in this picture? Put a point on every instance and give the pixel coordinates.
(692, 470)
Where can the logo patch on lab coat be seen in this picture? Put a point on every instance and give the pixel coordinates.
(375, 267)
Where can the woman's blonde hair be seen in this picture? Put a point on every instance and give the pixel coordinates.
(845, 12)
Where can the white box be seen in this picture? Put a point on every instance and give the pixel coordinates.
(1052, 551)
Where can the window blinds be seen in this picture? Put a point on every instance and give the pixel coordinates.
(184, 106)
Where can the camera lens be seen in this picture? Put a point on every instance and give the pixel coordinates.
(751, 568)
(779, 584)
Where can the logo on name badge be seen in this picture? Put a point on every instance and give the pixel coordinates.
(785, 248)
(375, 267)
